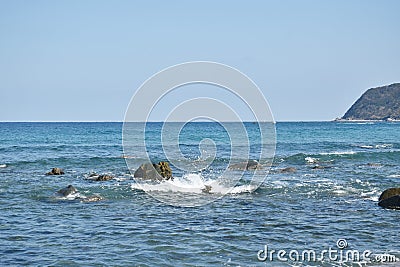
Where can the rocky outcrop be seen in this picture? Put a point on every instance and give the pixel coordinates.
(157, 172)
(381, 103)
(390, 198)
(246, 165)
(55, 171)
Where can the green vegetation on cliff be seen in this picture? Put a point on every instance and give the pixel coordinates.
(380, 103)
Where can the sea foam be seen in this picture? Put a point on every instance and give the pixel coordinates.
(192, 183)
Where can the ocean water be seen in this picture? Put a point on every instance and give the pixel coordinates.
(310, 209)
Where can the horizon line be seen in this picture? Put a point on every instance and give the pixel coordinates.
(116, 121)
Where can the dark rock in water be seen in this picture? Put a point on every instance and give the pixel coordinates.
(100, 177)
(69, 190)
(163, 169)
(319, 167)
(160, 171)
(375, 165)
(246, 165)
(390, 192)
(103, 177)
(390, 203)
(381, 103)
(287, 170)
(206, 189)
(55, 171)
(93, 198)
(390, 198)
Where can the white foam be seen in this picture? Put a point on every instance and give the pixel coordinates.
(384, 146)
(73, 196)
(367, 146)
(192, 183)
(3, 165)
(311, 160)
(338, 153)
(394, 176)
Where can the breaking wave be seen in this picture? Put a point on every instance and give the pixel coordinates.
(192, 183)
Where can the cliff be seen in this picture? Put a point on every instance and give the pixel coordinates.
(380, 103)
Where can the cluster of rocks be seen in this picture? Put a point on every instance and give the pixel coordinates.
(161, 171)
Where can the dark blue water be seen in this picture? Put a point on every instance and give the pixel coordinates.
(308, 209)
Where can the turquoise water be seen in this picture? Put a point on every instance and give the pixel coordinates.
(308, 209)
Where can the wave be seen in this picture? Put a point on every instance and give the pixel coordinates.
(378, 146)
(311, 160)
(3, 165)
(192, 183)
(338, 153)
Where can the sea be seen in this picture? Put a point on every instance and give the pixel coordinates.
(325, 202)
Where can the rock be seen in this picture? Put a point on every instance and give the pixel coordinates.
(390, 198)
(69, 190)
(319, 167)
(158, 172)
(390, 203)
(103, 177)
(390, 192)
(206, 189)
(287, 170)
(246, 165)
(93, 198)
(163, 169)
(55, 171)
(375, 165)
(99, 177)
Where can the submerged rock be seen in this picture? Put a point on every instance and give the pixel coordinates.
(55, 171)
(319, 167)
(246, 165)
(93, 198)
(69, 190)
(158, 172)
(99, 177)
(206, 189)
(104, 177)
(287, 170)
(390, 198)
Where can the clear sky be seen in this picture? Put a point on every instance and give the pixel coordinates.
(83, 60)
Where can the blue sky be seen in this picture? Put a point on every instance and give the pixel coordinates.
(83, 60)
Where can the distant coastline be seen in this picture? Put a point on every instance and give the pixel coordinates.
(376, 104)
